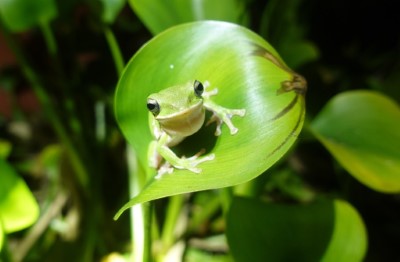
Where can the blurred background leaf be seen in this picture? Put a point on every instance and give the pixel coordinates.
(325, 230)
(5, 148)
(361, 130)
(18, 207)
(21, 15)
(111, 9)
(159, 15)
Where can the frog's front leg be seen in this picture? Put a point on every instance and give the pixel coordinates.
(221, 114)
(173, 161)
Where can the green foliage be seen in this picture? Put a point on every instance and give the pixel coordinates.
(63, 133)
(5, 149)
(111, 9)
(18, 207)
(248, 74)
(20, 15)
(325, 230)
(159, 15)
(365, 137)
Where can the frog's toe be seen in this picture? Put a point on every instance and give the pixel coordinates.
(195, 170)
(234, 130)
(166, 168)
(240, 112)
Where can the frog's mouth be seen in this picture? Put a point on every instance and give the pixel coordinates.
(184, 123)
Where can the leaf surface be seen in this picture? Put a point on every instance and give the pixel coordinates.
(18, 207)
(248, 74)
(21, 15)
(361, 130)
(159, 15)
(326, 230)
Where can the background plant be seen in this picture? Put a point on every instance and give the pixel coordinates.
(59, 134)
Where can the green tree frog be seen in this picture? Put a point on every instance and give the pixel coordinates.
(178, 112)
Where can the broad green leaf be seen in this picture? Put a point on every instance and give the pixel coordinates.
(159, 15)
(248, 74)
(361, 130)
(325, 230)
(20, 15)
(18, 207)
(111, 9)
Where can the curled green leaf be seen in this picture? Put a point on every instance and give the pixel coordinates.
(249, 75)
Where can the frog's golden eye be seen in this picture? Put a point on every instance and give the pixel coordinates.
(198, 88)
(153, 106)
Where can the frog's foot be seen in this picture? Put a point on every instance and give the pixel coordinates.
(184, 163)
(224, 115)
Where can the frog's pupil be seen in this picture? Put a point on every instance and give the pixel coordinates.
(198, 88)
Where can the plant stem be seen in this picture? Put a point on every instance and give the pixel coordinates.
(172, 214)
(141, 215)
(49, 38)
(48, 107)
(115, 50)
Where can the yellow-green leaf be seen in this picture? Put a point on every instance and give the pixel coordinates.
(18, 207)
(361, 130)
(159, 15)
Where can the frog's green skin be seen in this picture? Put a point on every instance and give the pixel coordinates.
(178, 112)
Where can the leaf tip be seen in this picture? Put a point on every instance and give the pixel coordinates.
(120, 211)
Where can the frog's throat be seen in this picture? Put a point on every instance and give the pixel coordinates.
(184, 123)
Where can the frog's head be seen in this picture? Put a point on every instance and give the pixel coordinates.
(179, 109)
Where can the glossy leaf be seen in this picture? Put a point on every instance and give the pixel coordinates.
(18, 207)
(322, 231)
(111, 9)
(159, 15)
(248, 74)
(361, 130)
(20, 15)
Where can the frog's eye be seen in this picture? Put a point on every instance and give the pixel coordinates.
(153, 106)
(198, 88)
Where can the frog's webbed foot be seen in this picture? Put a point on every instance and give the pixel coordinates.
(220, 114)
(224, 116)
